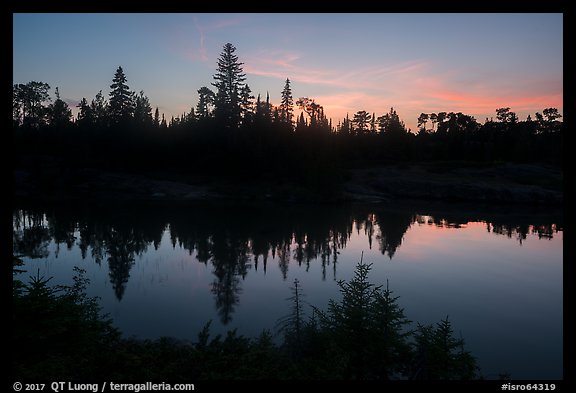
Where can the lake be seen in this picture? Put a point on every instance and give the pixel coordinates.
(167, 269)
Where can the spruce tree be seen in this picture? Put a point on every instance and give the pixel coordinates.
(121, 99)
(229, 83)
(286, 105)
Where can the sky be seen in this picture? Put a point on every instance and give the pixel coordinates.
(416, 63)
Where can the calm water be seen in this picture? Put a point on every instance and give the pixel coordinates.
(168, 270)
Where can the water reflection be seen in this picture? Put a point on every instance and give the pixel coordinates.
(234, 239)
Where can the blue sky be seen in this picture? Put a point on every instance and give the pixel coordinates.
(470, 63)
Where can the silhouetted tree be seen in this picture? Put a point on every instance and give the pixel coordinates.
(28, 103)
(142, 110)
(100, 110)
(85, 116)
(361, 120)
(390, 123)
(121, 99)
(505, 115)
(246, 104)
(229, 83)
(59, 114)
(440, 356)
(440, 121)
(346, 127)
(263, 112)
(548, 120)
(156, 118)
(422, 120)
(286, 105)
(318, 120)
(206, 99)
(369, 327)
(551, 114)
(434, 119)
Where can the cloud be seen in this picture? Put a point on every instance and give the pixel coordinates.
(202, 49)
(281, 64)
(196, 49)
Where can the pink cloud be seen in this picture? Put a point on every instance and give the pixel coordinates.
(410, 87)
(278, 64)
(195, 49)
(202, 49)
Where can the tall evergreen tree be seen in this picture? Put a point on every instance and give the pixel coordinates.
(121, 99)
(286, 105)
(229, 83)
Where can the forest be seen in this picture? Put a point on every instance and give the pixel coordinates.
(232, 134)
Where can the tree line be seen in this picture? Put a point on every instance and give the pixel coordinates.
(230, 131)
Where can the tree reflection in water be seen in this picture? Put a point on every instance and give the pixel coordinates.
(234, 239)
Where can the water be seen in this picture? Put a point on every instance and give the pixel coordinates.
(168, 270)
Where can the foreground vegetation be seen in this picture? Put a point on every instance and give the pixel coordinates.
(60, 333)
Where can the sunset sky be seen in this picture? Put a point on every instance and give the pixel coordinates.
(470, 63)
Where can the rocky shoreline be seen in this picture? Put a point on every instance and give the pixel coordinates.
(505, 183)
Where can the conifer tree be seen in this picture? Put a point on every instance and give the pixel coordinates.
(229, 83)
(59, 114)
(121, 99)
(286, 105)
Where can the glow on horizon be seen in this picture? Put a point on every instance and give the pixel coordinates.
(470, 63)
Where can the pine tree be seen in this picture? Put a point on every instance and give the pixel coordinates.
(121, 99)
(362, 120)
(229, 84)
(286, 105)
